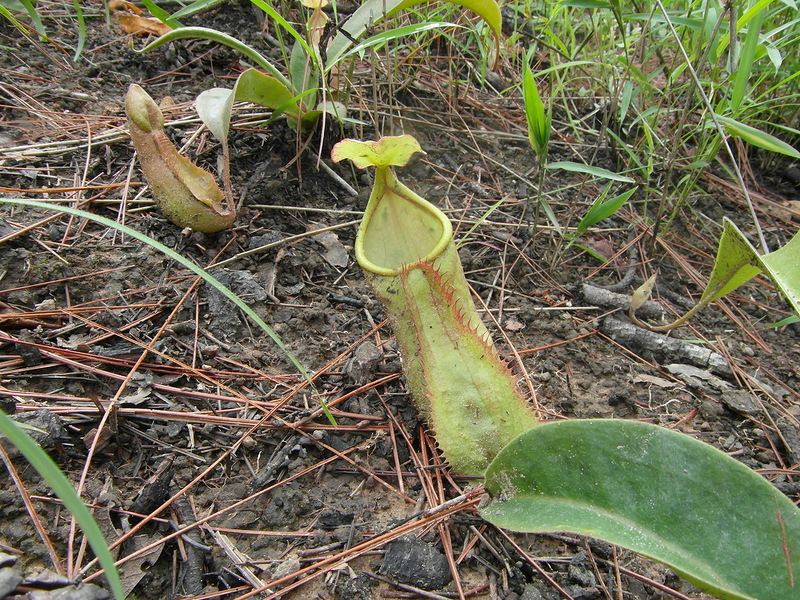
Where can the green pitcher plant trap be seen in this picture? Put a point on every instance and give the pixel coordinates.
(658, 492)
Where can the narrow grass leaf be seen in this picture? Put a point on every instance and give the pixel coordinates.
(160, 14)
(197, 270)
(535, 115)
(30, 9)
(745, 64)
(62, 487)
(387, 36)
(658, 492)
(602, 209)
(204, 33)
(196, 7)
(757, 138)
(598, 172)
(81, 30)
(488, 10)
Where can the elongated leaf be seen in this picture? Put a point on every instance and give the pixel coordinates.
(185, 262)
(372, 12)
(758, 138)
(535, 115)
(588, 170)
(658, 492)
(393, 34)
(64, 490)
(204, 33)
(746, 59)
(602, 209)
(488, 10)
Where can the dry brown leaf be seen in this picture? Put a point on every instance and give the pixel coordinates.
(130, 20)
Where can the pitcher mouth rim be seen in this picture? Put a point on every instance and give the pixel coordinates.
(438, 249)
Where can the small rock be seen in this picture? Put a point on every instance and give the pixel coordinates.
(83, 591)
(364, 362)
(580, 572)
(412, 561)
(531, 592)
(740, 401)
(9, 579)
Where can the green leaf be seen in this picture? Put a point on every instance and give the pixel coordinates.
(214, 109)
(758, 138)
(655, 491)
(602, 209)
(488, 10)
(783, 267)
(64, 490)
(744, 67)
(387, 36)
(204, 33)
(185, 262)
(372, 12)
(27, 7)
(737, 262)
(537, 118)
(594, 171)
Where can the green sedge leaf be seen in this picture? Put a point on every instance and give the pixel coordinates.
(537, 118)
(186, 263)
(602, 209)
(204, 33)
(598, 172)
(757, 138)
(62, 487)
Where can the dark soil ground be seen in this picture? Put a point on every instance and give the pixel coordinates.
(195, 399)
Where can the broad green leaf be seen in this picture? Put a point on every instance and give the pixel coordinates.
(204, 33)
(783, 267)
(389, 151)
(64, 490)
(737, 261)
(758, 138)
(655, 491)
(259, 88)
(598, 172)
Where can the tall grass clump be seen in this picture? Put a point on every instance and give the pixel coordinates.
(666, 85)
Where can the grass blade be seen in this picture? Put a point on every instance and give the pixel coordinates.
(197, 270)
(62, 487)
